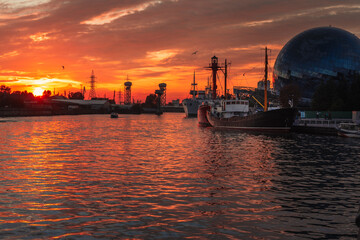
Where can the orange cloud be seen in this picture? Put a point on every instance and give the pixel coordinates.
(162, 54)
(10, 54)
(114, 14)
(152, 41)
(39, 37)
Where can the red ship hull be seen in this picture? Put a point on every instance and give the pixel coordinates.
(202, 115)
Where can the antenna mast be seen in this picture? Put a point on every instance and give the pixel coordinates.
(265, 79)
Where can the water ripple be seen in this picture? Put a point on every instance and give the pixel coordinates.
(150, 177)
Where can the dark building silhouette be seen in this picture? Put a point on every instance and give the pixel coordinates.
(315, 56)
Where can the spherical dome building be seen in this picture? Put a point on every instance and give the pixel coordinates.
(317, 55)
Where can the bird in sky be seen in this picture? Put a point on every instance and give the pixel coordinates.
(194, 53)
(63, 67)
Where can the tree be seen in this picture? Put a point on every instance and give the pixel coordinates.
(4, 95)
(337, 95)
(151, 100)
(319, 100)
(289, 94)
(76, 95)
(14, 99)
(354, 94)
(325, 96)
(5, 89)
(46, 94)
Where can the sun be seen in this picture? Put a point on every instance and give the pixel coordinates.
(38, 91)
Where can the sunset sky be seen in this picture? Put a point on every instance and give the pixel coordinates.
(47, 44)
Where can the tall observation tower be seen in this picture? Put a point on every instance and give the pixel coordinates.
(92, 85)
(127, 93)
(162, 87)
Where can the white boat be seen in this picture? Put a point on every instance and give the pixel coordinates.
(223, 108)
(191, 105)
(349, 130)
(114, 115)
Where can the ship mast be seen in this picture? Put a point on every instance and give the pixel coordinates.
(265, 79)
(225, 77)
(214, 66)
(194, 85)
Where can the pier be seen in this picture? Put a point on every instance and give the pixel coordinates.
(320, 122)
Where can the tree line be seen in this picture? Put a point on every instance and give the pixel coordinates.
(17, 99)
(337, 95)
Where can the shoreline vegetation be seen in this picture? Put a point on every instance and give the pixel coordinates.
(23, 103)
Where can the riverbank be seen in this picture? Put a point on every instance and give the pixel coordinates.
(28, 112)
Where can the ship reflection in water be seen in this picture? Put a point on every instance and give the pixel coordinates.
(150, 177)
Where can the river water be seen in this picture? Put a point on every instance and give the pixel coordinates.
(163, 177)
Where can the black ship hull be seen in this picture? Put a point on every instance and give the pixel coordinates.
(276, 121)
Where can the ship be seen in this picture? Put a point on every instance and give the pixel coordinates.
(273, 121)
(213, 98)
(222, 108)
(191, 105)
(201, 115)
(349, 130)
(114, 115)
(236, 114)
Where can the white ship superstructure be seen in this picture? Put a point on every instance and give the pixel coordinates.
(191, 105)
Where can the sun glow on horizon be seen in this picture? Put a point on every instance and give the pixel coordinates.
(38, 91)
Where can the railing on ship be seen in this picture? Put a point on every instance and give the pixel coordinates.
(321, 122)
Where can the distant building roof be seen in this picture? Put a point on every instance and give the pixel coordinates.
(81, 102)
(58, 97)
